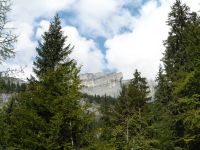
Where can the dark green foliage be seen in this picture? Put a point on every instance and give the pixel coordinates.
(163, 89)
(173, 118)
(181, 60)
(103, 124)
(175, 55)
(49, 113)
(159, 128)
(186, 107)
(128, 115)
(52, 51)
(3, 86)
(99, 99)
(159, 116)
(106, 119)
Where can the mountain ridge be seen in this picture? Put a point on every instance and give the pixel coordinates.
(109, 84)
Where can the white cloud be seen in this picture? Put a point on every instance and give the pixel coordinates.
(85, 51)
(142, 48)
(43, 26)
(24, 14)
(28, 11)
(24, 50)
(102, 17)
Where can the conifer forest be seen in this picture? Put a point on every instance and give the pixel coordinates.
(49, 111)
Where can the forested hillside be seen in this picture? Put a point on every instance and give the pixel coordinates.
(50, 112)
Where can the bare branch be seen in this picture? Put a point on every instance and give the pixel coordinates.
(7, 38)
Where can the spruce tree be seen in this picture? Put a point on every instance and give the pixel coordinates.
(163, 88)
(181, 61)
(105, 121)
(128, 115)
(175, 55)
(49, 114)
(159, 114)
(187, 88)
(52, 50)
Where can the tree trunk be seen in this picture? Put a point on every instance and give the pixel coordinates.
(72, 140)
(140, 118)
(127, 133)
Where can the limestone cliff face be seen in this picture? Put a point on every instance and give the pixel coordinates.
(108, 84)
(102, 83)
(96, 84)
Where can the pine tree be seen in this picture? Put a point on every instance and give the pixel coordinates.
(159, 114)
(105, 121)
(187, 88)
(175, 55)
(52, 51)
(49, 115)
(129, 117)
(163, 88)
(181, 60)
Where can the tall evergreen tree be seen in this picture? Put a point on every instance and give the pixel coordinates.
(175, 55)
(187, 89)
(49, 115)
(159, 115)
(181, 60)
(105, 121)
(129, 115)
(52, 51)
(163, 88)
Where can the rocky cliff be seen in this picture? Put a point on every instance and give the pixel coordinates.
(107, 84)
(102, 83)
(95, 84)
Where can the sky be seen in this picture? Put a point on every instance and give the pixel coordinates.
(108, 35)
